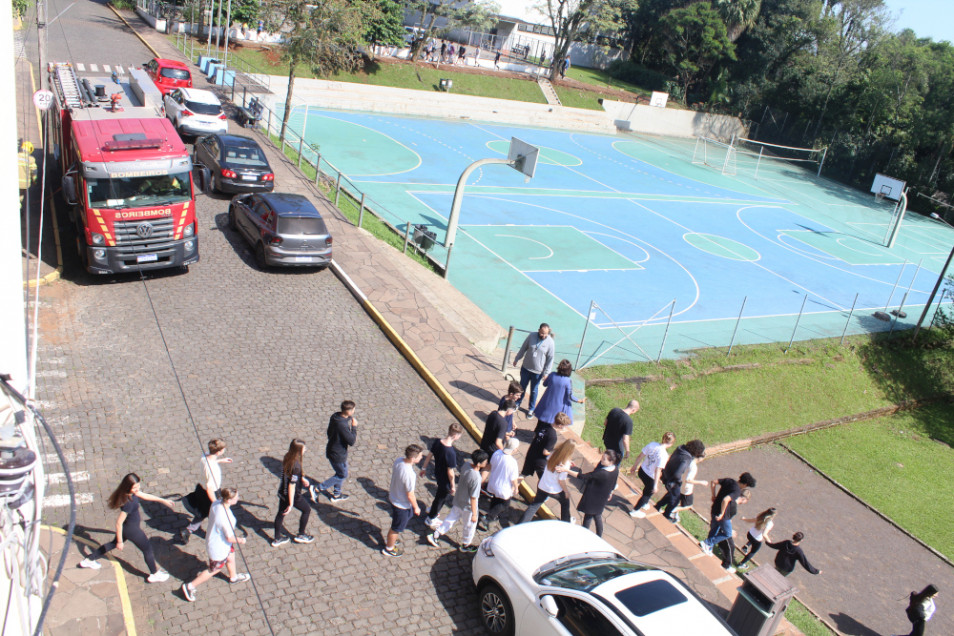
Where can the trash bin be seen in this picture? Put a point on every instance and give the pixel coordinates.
(423, 237)
(761, 604)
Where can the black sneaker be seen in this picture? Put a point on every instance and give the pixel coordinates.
(304, 538)
(280, 541)
(183, 537)
(483, 526)
(340, 497)
(470, 548)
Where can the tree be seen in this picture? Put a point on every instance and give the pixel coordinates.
(738, 15)
(325, 37)
(388, 28)
(693, 40)
(444, 15)
(572, 20)
(20, 7)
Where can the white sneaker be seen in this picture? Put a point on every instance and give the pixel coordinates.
(637, 514)
(705, 548)
(433, 524)
(159, 577)
(93, 565)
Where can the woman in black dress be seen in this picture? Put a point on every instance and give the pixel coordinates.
(544, 441)
(291, 492)
(598, 486)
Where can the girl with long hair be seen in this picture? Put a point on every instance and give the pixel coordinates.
(553, 483)
(291, 492)
(126, 499)
(920, 609)
(598, 486)
(758, 533)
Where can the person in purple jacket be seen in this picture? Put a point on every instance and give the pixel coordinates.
(558, 396)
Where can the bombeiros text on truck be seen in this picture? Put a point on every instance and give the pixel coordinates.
(127, 176)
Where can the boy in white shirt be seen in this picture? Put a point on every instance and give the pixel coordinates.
(202, 497)
(650, 463)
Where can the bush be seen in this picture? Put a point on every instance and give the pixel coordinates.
(637, 74)
(123, 4)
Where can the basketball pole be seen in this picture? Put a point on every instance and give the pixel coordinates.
(903, 207)
(937, 285)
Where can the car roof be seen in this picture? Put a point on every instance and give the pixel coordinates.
(200, 95)
(286, 204)
(162, 61)
(237, 141)
(530, 546)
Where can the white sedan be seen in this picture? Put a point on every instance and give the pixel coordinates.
(551, 577)
(194, 111)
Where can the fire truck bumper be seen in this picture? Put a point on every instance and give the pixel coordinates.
(113, 260)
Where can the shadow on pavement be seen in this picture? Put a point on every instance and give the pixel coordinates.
(451, 578)
(850, 627)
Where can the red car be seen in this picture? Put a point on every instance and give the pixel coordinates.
(168, 74)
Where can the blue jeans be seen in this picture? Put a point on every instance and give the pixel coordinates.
(719, 531)
(533, 379)
(333, 483)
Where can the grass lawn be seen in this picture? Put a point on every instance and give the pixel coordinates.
(603, 79)
(885, 461)
(574, 98)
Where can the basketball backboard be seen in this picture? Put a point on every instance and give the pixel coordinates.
(524, 157)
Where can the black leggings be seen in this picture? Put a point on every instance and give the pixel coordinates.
(498, 506)
(305, 509)
(133, 533)
(649, 487)
(917, 627)
(439, 498)
(588, 519)
(754, 546)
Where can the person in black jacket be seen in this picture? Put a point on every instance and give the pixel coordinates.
(920, 609)
(342, 433)
(675, 472)
(597, 488)
(789, 553)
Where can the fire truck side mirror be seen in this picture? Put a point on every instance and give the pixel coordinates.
(69, 190)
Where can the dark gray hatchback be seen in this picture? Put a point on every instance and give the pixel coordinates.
(283, 229)
(236, 164)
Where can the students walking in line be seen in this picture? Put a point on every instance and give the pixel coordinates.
(789, 553)
(514, 394)
(649, 465)
(402, 498)
(220, 542)
(291, 492)
(465, 504)
(598, 487)
(495, 430)
(204, 494)
(126, 499)
(544, 440)
(678, 472)
(445, 463)
(558, 396)
(727, 495)
(502, 483)
(554, 483)
(537, 354)
(758, 534)
(920, 609)
(618, 429)
(342, 433)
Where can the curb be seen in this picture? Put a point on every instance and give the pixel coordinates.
(128, 620)
(134, 31)
(456, 410)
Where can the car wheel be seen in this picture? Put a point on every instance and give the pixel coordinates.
(260, 257)
(496, 614)
(232, 222)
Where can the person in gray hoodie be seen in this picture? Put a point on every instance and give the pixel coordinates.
(537, 354)
(342, 433)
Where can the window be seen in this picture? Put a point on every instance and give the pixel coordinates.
(245, 156)
(650, 597)
(174, 73)
(200, 108)
(301, 225)
(582, 619)
(163, 189)
(585, 574)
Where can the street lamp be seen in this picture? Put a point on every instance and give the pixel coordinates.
(940, 279)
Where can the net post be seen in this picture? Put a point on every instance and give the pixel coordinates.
(893, 289)
(734, 331)
(822, 162)
(589, 316)
(758, 162)
(407, 236)
(797, 320)
(847, 322)
(897, 314)
(666, 333)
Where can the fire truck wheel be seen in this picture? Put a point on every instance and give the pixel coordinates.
(260, 257)
(81, 250)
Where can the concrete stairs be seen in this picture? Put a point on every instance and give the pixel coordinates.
(549, 92)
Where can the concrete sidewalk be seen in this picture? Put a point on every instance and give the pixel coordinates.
(440, 326)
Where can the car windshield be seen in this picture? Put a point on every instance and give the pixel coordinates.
(200, 108)
(301, 225)
(139, 191)
(650, 597)
(587, 573)
(174, 73)
(245, 156)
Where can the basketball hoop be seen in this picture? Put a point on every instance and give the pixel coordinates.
(879, 197)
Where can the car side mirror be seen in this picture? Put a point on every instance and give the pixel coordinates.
(549, 605)
(69, 190)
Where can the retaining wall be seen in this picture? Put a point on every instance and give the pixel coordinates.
(672, 122)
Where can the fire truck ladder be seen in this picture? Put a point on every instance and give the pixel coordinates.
(67, 85)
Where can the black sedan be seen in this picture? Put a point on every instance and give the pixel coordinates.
(283, 229)
(236, 164)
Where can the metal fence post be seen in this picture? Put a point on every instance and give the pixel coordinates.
(589, 317)
(301, 142)
(361, 211)
(447, 260)
(268, 130)
(244, 95)
(847, 322)
(318, 168)
(407, 234)
(734, 331)
(797, 320)
(338, 192)
(893, 289)
(503, 363)
(666, 333)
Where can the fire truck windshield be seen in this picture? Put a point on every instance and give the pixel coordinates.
(139, 191)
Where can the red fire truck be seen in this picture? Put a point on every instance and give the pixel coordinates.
(127, 176)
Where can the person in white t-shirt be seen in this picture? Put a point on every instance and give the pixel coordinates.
(220, 542)
(553, 483)
(503, 482)
(204, 494)
(650, 464)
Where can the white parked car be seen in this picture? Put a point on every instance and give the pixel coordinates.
(551, 577)
(194, 111)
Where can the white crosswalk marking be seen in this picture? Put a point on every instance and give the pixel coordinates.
(106, 68)
(70, 456)
(54, 479)
(94, 68)
(61, 501)
(80, 67)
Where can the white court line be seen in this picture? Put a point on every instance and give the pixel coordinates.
(540, 243)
